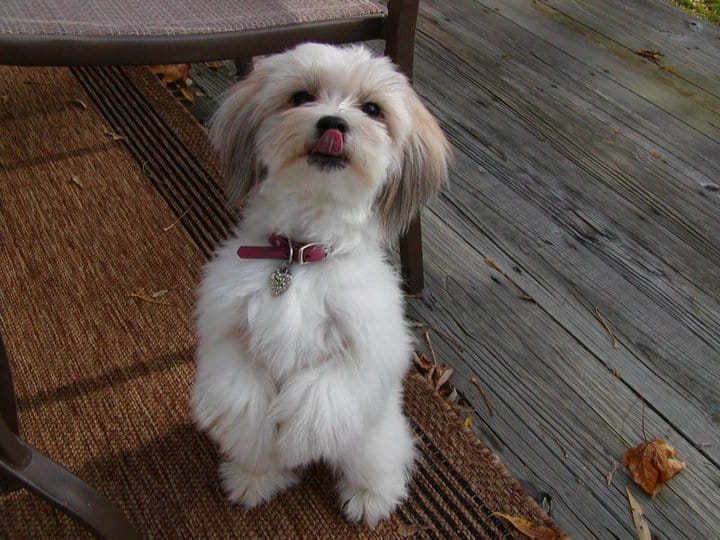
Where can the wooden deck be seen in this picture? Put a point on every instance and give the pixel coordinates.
(576, 257)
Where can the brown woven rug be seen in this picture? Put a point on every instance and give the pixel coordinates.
(108, 209)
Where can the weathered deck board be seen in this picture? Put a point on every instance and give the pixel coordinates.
(590, 176)
(559, 414)
(672, 94)
(692, 51)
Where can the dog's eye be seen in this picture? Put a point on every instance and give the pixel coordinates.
(301, 97)
(371, 109)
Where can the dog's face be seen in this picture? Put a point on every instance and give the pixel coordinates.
(336, 124)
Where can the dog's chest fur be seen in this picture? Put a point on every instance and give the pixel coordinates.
(329, 308)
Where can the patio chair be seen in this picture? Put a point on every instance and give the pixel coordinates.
(113, 32)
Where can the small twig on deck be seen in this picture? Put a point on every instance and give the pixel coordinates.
(622, 426)
(454, 343)
(606, 325)
(80, 103)
(523, 295)
(149, 299)
(149, 174)
(477, 385)
(430, 345)
(611, 472)
(551, 435)
(166, 229)
(642, 421)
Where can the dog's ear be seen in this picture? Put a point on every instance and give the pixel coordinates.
(424, 171)
(232, 133)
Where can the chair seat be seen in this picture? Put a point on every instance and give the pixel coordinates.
(169, 17)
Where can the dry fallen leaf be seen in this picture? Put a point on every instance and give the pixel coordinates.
(187, 95)
(528, 528)
(407, 531)
(652, 464)
(115, 136)
(442, 374)
(171, 73)
(76, 180)
(641, 525)
(215, 65)
(468, 422)
(423, 362)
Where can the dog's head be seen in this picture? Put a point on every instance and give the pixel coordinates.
(336, 123)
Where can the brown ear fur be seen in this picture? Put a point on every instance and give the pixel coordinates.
(424, 172)
(232, 133)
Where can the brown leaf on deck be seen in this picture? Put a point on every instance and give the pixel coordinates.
(115, 136)
(641, 525)
(528, 528)
(423, 362)
(441, 375)
(468, 422)
(187, 95)
(171, 73)
(215, 65)
(652, 464)
(669, 69)
(407, 531)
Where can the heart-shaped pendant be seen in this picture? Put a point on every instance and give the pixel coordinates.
(280, 280)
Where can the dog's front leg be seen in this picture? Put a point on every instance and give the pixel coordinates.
(375, 471)
(321, 411)
(230, 400)
(356, 424)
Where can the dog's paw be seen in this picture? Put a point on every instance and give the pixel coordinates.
(251, 489)
(367, 506)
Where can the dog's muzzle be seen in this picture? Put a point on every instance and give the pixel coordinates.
(328, 150)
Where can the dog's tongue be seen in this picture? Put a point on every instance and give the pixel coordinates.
(330, 143)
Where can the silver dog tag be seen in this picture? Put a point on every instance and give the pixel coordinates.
(280, 280)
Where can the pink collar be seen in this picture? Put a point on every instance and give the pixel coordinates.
(282, 248)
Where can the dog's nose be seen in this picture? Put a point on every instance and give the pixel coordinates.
(332, 122)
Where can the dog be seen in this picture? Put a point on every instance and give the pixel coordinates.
(302, 340)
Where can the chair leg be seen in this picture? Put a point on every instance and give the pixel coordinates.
(25, 465)
(400, 47)
(8, 412)
(243, 66)
(411, 258)
(8, 407)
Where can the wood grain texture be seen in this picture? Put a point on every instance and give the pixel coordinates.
(584, 201)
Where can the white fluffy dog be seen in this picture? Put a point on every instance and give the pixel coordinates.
(303, 345)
